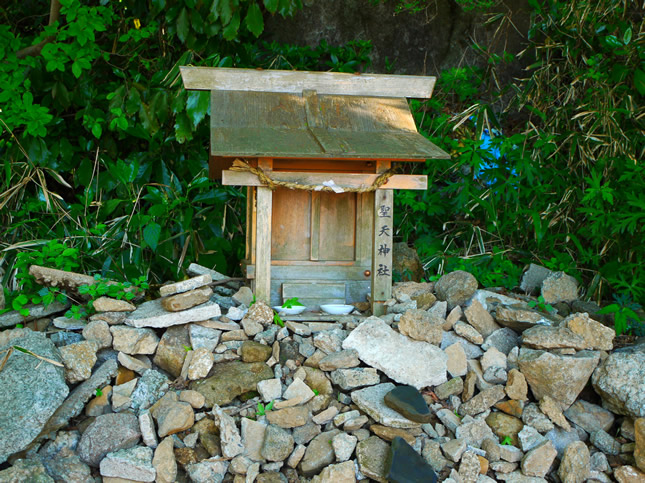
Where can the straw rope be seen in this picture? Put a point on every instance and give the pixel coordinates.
(240, 165)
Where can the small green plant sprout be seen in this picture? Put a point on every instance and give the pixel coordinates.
(277, 320)
(252, 301)
(262, 409)
(316, 392)
(19, 326)
(291, 303)
(98, 392)
(626, 320)
(541, 305)
(188, 348)
(507, 441)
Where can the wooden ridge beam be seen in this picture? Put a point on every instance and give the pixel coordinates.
(295, 82)
(342, 180)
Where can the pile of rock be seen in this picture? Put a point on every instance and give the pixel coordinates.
(452, 384)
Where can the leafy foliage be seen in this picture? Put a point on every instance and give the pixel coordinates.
(545, 170)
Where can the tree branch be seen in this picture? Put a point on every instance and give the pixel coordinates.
(34, 50)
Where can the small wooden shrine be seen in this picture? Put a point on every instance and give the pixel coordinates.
(314, 150)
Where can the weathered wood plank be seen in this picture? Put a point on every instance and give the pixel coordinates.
(382, 246)
(344, 180)
(314, 290)
(315, 226)
(263, 239)
(291, 231)
(337, 226)
(378, 85)
(364, 230)
(314, 272)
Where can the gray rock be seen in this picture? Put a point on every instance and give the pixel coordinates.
(344, 445)
(185, 285)
(432, 455)
(472, 351)
(620, 381)
(589, 417)
(63, 338)
(520, 319)
(252, 437)
(371, 455)
(453, 449)
(530, 438)
(457, 362)
(329, 341)
(348, 379)
(75, 403)
(468, 332)
(561, 438)
(319, 453)
(605, 443)
(108, 433)
(456, 288)
(171, 351)
(453, 387)
(371, 401)
(339, 360)
(483, 401)
(298, 389)
(480, 319)
(230, 380)
(575, 464)
(31, 390)
(230, 438)
(205, 337)
(9, 319)
(503, 340)
(211, 470)
(152, 314)
(474, 431)
(151, 386)
(25, 470)
(547, 337)
(532, 416)
(560, 376)
(408, 362)
(99, 332)
(132, 340)
(559, 287)
(278, 444)
(538, 461)
(533, 277)
(67, 467)
(469, 467)
(132, 463)
(79, 359)
(244, 296)
(420, 325)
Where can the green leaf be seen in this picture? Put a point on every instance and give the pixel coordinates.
(627, 36)
(197, 105)
(230, 31)
(183, 128)
(254, 21)
(76, 70)
(182, 25)
(97, 130)
(271, 5)
(151, 234)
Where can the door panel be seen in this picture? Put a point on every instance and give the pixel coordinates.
(337, 229)
(291, 225)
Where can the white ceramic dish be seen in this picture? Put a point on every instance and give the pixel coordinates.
(337, 309)
(292, 311)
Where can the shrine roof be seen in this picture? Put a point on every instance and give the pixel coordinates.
(278, 114)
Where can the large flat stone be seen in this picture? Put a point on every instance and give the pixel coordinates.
(372, 401)
(30, 390)
(416, 363)
(231, 379)
(152, 314)
(560, 376)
